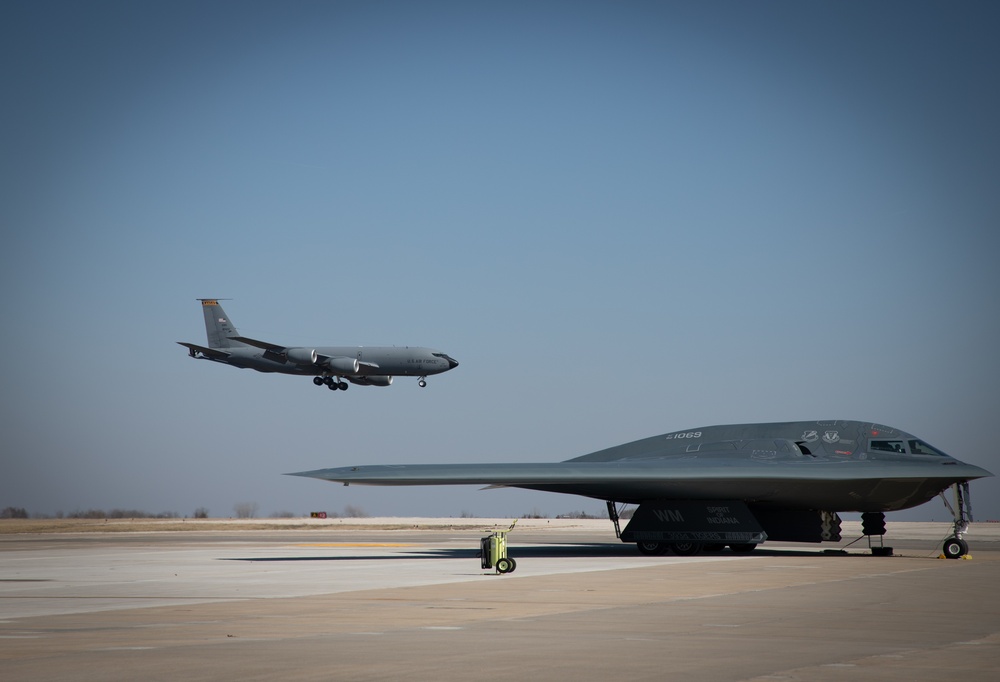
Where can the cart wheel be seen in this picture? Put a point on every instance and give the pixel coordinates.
(513, 565)
(504, 565)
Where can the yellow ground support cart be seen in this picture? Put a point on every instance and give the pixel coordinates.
(493, 551)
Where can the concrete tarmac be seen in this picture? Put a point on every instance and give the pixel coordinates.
(373, 604)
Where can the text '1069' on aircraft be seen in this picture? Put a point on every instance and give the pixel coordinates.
(735, 486)
(327, 365)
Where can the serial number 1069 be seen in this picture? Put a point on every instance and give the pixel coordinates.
(686, 434)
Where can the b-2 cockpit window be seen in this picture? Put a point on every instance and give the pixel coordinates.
(886, 446)
(919, 447)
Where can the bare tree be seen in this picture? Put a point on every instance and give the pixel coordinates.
(352, 512)
(245, 510)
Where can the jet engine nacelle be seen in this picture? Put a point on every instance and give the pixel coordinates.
(301, 356)
(345, 365)
(372, 380)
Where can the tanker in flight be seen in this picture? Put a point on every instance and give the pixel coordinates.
(736, 485)
(327, 365)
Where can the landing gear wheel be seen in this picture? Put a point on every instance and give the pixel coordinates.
(955, 548)
(328, 381)
(504, 565)
(422, 382)
(651, 548)
(743, 548)
(686, 548)
(342, 386)
(318, 381)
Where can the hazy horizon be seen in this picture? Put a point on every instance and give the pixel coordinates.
(622, 219)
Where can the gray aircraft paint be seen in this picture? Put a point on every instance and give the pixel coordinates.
(759, 463)
(786, 467)
(363, 365)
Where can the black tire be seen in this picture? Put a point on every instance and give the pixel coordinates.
(318, 381)
(513, 566)
(651, 548)
(686, 548)
(955, 548)
(743, 547)
(342, 385)
(503, 565)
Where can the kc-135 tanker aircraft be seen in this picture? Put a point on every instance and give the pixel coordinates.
(329, 366)
(735, 485)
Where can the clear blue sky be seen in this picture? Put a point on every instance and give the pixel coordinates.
(622, 218)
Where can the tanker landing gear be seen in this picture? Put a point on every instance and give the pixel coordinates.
(956, 547)
(331, 383)
(422, 382)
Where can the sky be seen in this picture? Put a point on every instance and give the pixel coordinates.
(621, 218)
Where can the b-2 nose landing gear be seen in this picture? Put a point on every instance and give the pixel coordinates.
(956, 547)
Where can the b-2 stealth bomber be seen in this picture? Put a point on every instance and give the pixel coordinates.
(736, 485)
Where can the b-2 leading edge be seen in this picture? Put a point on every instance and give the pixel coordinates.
(328, 365)
(736, 486)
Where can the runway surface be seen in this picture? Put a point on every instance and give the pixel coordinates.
(329, 603)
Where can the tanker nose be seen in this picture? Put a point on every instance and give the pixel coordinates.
(452, 362)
